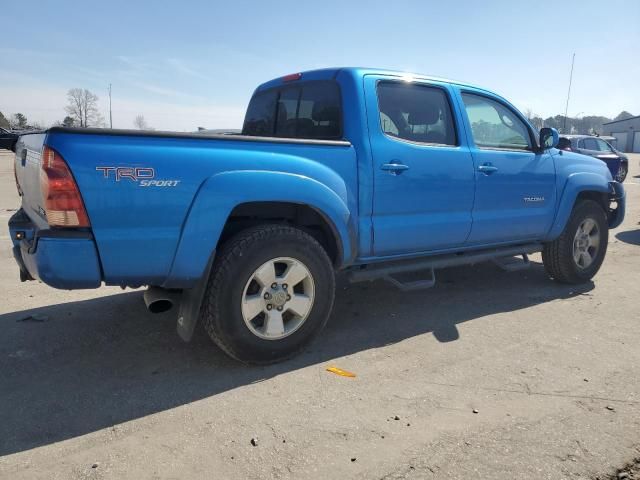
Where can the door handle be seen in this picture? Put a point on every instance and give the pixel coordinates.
(487, 169)
(394, 168)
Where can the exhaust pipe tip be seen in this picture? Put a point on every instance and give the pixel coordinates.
(160, 306)
(159, 300)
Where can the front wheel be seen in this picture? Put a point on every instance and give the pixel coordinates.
(577, 254)
(271, 291)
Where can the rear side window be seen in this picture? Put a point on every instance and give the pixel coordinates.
(494, 125)
(416, 113)
(309, 110)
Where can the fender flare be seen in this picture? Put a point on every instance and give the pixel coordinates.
(574, 186)
(220, 194)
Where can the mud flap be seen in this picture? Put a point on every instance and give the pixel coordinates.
(191, 302)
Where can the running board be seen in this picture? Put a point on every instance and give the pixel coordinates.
(415, 285)
(386, 271)
(510, 264)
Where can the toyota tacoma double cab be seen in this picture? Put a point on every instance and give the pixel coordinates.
(370, 172)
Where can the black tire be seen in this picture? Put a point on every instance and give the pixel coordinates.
(236, 263)
(558, 256)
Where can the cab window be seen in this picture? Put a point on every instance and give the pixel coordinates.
(603, 146)
(311, 110)
(417, 113)
(494, 125)
(590, 144)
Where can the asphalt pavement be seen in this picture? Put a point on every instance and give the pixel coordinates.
(488, 375)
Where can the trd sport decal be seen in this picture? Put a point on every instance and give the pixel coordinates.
(143, 176)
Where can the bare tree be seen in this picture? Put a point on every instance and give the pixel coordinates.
(141, 123)
(83, 108)
(18, 121)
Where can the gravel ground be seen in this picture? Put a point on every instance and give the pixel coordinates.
(488, 375)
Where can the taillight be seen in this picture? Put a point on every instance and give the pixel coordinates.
(62, 199)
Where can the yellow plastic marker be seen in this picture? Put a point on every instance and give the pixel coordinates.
(342, 373)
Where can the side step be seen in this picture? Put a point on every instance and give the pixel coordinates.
(500, 256)
(415, 285)
(510, 264)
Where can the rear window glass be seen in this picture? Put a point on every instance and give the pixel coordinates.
(260, 118)
(309, 110)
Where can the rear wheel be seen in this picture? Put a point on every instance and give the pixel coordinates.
(577, 254)
(270, 293)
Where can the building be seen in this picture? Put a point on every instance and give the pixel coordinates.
(627, 132)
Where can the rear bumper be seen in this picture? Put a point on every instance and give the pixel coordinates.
(617, 195)
(61, 259)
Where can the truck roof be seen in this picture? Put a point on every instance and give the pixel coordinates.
(328, 73)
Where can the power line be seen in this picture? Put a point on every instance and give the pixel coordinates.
(566, 108)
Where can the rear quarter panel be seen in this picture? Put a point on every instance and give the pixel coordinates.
(137, 229)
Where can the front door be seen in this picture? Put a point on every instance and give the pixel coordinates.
(422, 169)
(515, 183)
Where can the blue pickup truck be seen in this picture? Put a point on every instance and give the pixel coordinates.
(370, 172)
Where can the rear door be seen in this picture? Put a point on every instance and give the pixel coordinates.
(422, 168)
(515, 184)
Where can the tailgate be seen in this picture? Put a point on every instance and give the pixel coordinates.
(28, 163)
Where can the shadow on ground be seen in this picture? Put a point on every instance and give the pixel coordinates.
(631, 236)
(93, 364)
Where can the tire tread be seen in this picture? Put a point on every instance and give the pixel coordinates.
(556, 255)
(223, 267)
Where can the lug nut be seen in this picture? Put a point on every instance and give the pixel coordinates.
(279, 309)
(284, 285)
(288, 297)
(267, 296)
(269, 306)
(274, 285)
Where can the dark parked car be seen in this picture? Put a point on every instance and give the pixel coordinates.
(617, 161)
(7, 138)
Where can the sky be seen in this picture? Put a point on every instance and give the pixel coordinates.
(185, 64)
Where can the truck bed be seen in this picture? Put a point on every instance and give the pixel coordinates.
(138, 188)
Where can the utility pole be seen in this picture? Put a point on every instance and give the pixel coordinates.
(110, 116)
(566, 108)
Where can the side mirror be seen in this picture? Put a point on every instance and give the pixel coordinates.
(549, 138)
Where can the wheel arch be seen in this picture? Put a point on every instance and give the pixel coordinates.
(304, 216)
(230, 199)
(582, 186)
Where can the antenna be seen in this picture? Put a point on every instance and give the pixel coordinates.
(566, 108)
(110, 116)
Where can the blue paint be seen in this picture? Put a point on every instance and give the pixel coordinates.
(449, 197)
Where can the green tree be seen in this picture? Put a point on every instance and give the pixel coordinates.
(68, 122)
(623, 116)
